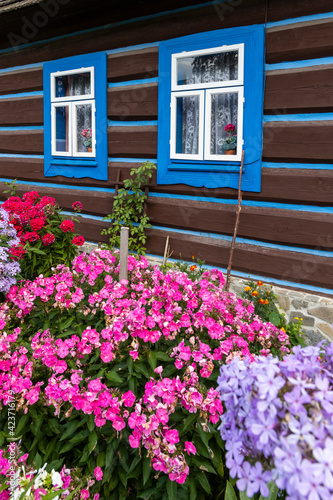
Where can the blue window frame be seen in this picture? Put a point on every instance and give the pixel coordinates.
(75, 117)
(207, 82)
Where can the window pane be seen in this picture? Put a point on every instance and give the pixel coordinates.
(224, 110)
(73, 85)
(61, 117)
(219, 67)
(187, 125)
(84, 128)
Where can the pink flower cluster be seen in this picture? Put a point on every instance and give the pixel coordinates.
(199, 325)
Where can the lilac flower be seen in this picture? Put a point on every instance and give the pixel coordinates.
(287, 430)
(8, 238)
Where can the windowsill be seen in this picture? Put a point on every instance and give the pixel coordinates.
(81, 162)
(205, 167)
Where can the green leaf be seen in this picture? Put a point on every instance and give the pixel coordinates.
(203, 464)
(230, 492)
(21, 424)
(70, 429)
(91, 423)
(146, 469)
(114, 377)
(171, 487)
(193, 488)
(202, 478)
(152, 359)
(162, 356)
(274, 318)
(243, 495)
(273, 492)
(92, 442)
(53, 424)
(188, 423)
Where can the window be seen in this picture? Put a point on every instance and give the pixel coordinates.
(75, 125)
(213, 85)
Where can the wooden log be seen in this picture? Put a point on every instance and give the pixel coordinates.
(123, 261)
(299, 141)
(303, 90)
(21, 111)
(133, 141)
(137, 101)
(22, 142)
(27, 80)
(296, 42)
(133, 65)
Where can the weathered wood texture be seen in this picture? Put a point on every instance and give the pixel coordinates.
(133, 141)
(297, 42)
(279, 185)
(21, 111)
(303, 90)
(28, 80)
(22, 142)
(133, 65)
(298, 141)
(137, 101)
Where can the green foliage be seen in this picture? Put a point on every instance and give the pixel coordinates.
(266, 307)
(194, 271)
(12, 188)
(128, 210)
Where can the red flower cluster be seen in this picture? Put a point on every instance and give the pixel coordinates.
(67, 226)
(78, 241)
(48, 239)
(77, 206)
(37, 224)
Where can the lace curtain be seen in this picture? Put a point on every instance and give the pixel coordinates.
(79, 85)
(207, 69)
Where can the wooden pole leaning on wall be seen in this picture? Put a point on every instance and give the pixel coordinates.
(239, 207)
(123, 263)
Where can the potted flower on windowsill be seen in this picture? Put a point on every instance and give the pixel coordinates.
(87, 138)
(230, 143)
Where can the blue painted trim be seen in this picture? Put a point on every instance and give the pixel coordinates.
(62, 186)
(299, 64)
(131, 160)
(303, 19)
(139, 123)
(26, 127)
(253, 38)
(107, 26)
(129, 83)
(22, 94)
(300, 117)
(95, 168)
(255, 277)
(18, 68)
(303, 166)
(7, 155)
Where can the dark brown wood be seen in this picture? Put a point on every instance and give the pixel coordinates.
(133, 65)
(22, 141)
(137, 101)
(262, 223)
(278, 10)
(133, 141)
(296, 42)
(279, 264)
(28, 80)
(21, 111)
(162, 27)
(299, 141)
(303, 90)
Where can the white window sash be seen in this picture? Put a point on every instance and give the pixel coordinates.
(53, 76)
(224, 48)
(208, 107)
(77, 153)
(53, 127)
(173, 126)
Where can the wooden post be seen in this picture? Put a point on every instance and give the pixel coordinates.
(123, 263)
(240, 196)
(166, 251)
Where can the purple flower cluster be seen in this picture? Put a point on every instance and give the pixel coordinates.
(278, 423)
(8, 238)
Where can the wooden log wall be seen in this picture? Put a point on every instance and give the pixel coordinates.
(285, 230)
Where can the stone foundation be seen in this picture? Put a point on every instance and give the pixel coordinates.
(316, 310)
